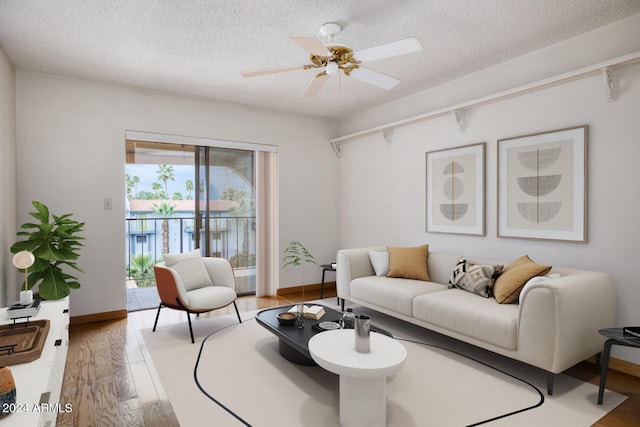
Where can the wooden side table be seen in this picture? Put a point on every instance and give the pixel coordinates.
(615, 336)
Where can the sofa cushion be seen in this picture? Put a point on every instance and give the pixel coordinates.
(392, 293)
(475, 278)
(409, 262)
(379, 261)
(211, 296)
(190, 268)
(470, 315)
(509, 284)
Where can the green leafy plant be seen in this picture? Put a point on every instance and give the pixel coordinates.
(140, 269)
(295, 254)
(55, 243)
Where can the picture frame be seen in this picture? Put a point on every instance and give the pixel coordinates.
(455, 190)
(542, 185)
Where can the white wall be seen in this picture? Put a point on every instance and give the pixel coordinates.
(9, 281)
(382, 201)
(70, 137)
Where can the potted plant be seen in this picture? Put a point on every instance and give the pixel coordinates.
(295, 254)
(54, 242)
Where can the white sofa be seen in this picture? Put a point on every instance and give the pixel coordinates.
(553, 326)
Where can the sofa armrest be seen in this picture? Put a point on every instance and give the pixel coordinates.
(351, 264)
(560, 318)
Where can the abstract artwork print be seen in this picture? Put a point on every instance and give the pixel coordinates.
(455, 190)
(542, 185)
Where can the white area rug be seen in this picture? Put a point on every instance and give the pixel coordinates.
(240, 366)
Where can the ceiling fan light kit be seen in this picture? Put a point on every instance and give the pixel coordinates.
(332, 68)
(333, 57)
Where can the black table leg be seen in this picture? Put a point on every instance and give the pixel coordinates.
(605, 366)
(324, 270)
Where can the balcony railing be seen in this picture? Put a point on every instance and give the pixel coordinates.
(232, 238)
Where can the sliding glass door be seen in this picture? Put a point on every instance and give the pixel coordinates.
(226, 216)
(181, 197)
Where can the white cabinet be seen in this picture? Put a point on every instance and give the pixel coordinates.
(38, 383)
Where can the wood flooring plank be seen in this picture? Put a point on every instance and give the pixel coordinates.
(123, 378)
(130, 413)
(154, 415)
(105, 403)
(86, 404)
(69, 394)
(146, 390)
(132, 345)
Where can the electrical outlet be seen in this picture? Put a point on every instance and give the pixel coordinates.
(108, 204)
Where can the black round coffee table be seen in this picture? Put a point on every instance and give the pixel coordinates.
(615, 336)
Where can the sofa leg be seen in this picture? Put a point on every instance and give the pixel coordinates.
(550, 377)
(157, 316)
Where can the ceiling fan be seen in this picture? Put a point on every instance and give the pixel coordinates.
(332, 58)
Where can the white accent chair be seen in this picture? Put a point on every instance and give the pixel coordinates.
(195, 285)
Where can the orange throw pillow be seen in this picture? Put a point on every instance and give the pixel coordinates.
(508, 285)
(409, 263)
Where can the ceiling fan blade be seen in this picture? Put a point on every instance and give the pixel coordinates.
(315, 85)
(311, 44)
(388, 50)
(374, 78)
(276, 70)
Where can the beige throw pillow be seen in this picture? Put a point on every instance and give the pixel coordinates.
(409, 263)
(513, 278)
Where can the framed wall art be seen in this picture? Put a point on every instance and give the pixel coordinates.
(542, 185)
(455, 190)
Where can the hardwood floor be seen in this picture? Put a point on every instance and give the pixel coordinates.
(109, 382)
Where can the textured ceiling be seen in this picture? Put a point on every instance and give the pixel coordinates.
(200, 47)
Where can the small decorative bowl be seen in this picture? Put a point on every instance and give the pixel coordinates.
(286, 318)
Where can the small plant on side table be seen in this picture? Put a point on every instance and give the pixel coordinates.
(295, 254)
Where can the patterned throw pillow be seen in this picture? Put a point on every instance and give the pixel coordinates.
(475, 278)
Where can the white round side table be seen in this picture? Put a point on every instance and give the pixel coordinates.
(363, 386)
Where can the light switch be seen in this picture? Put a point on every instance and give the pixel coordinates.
(107, 204)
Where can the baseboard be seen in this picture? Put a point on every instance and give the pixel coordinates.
(624, 366)
(621, 366)
(98, 317)
(311, 287)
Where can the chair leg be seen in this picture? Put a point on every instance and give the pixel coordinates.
(237, 312)
(157, 316)
(190, 329)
